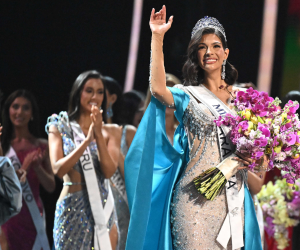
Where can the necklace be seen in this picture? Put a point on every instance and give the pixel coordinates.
(229, 92)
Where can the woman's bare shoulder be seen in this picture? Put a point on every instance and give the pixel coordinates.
(42, 142)
(113, 129)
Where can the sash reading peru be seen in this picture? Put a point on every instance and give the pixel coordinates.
(41, 240)
(233, 225)
(101, 214)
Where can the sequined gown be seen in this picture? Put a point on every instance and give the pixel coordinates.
(74, 223)
(195, 221)
(120, 197)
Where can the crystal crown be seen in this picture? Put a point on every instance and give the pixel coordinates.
(208, 22)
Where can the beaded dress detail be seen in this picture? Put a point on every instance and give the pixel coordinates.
(74, 222)
(120, 197)
(195, 221)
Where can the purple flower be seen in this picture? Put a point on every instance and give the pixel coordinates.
(292, 108)
(243, 126)
(219, 121)
(257, 155)
(261, 142)
(291, 139)
(264, 129)
(260, 110)
(270, 227)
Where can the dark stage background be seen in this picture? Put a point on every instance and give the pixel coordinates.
(45, 46)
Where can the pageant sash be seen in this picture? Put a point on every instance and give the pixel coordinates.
(233, 224)
(101, 214)
(260, 217)
(41, 240)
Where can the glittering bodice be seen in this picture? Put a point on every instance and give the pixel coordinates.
(195, 221)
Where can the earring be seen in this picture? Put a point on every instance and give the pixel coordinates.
(223, 74)
(109, 112)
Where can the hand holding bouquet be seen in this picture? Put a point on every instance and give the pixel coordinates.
(262, 128)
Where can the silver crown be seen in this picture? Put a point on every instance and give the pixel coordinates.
(208, 22)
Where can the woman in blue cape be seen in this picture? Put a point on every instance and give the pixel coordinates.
(167, 211)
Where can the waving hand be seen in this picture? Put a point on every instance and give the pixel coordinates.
(158, 23)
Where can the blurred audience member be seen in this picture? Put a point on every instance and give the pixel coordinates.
(295, 243)
(131, 109)
(171, 121)
(114, 95)
(10, 189)
(245, 85)
(273, 175)
(29, 153)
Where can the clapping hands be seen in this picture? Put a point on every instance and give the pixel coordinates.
(33, 159)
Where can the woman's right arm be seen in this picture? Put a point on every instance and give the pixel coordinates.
(157, 78)
(61, 164)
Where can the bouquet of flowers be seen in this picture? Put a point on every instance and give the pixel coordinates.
(261, 127)
(281, 209)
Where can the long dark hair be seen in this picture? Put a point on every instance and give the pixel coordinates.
(128, 107)
(113, 87)
(8, 128)
(74, 99)
(193, 74)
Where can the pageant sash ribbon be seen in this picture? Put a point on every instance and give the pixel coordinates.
(101, 213)
(41, 240)
(233, 224)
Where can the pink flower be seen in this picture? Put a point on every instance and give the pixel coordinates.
(243, 125)
(261, 142)
(291, 139)
(264, 129)
(219, 121)
(292, 108)
(260, 110)
(257, 155)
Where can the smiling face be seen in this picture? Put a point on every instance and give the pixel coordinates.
(211, 53)
(92, 94)
(20, 112)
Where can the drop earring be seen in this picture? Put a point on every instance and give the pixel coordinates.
(109, 112)
(223, 74)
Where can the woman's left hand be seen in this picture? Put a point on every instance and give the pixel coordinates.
(247, 160)
(21, 173)
(97, 119)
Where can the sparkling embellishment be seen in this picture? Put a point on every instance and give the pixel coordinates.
(74, 223)
(208, 22)
(196, 222)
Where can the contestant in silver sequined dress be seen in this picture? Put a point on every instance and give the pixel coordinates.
(74, 222)
(195, 221)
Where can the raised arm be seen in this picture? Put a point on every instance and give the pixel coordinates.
(157, 78)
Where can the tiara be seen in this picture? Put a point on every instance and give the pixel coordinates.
(208, 22)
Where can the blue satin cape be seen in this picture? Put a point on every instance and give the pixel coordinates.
(152, 167)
